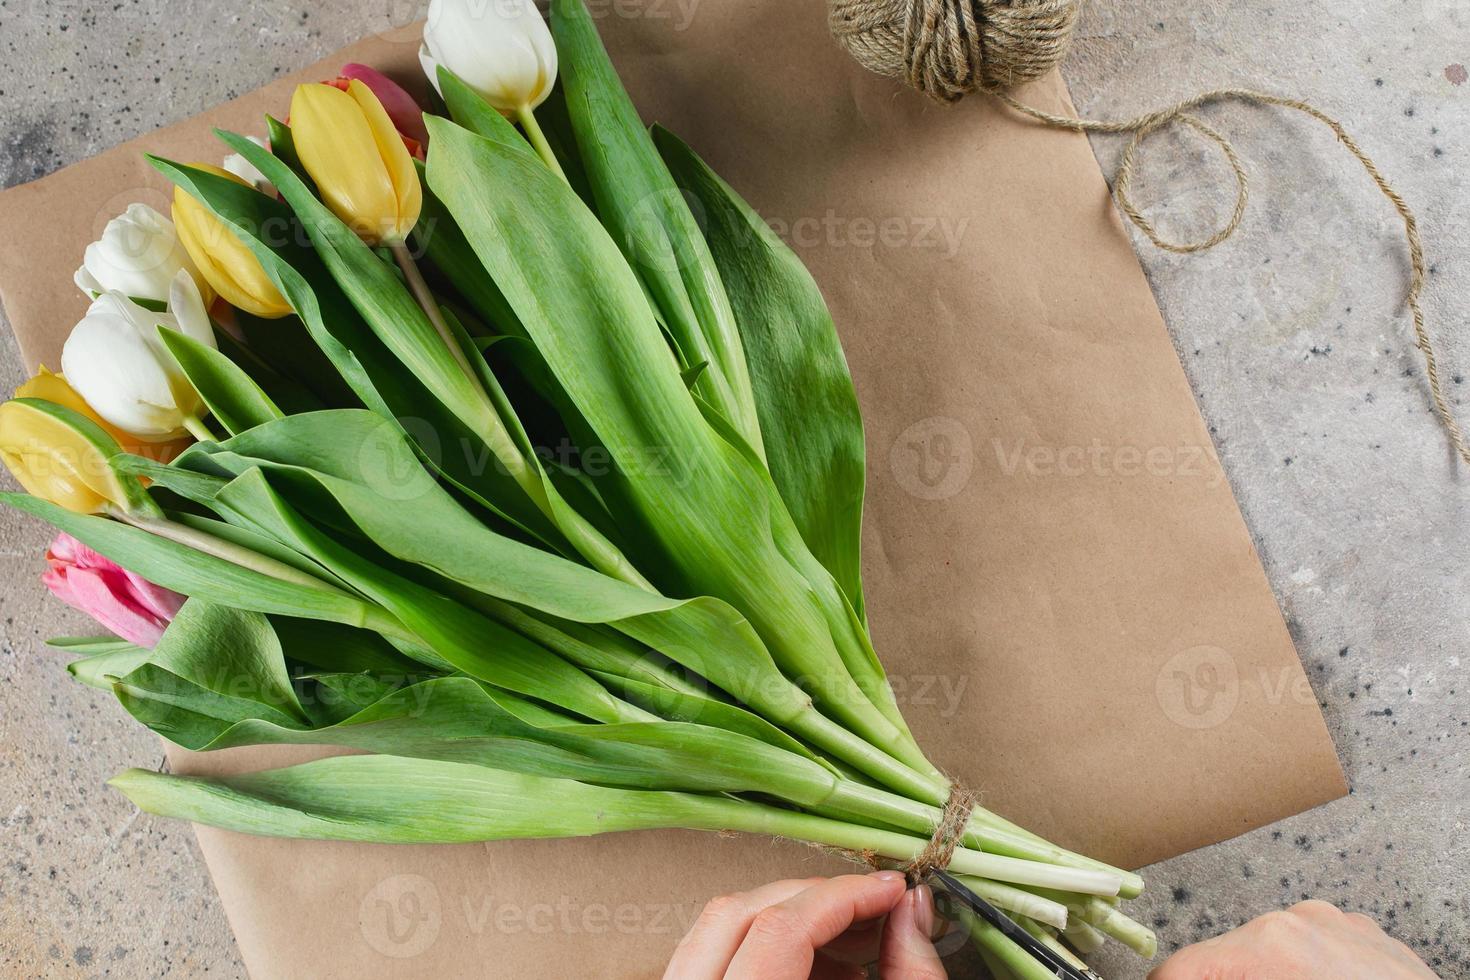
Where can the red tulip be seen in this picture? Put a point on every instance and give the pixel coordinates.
(407, 116)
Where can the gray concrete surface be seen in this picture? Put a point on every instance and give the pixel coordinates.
(1292, 335)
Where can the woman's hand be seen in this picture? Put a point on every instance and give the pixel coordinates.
(1310, 940)
(816, 927)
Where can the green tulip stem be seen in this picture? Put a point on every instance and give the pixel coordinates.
(996, 949)
(528, 122)
(374, 617)
(208, 544)
(425, 297)
(198, 429)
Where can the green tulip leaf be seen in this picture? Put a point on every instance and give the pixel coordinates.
(459, 719)
(235, 400)
(292, 392)
(470, 110)
(468, 641)
(648, 218)
(389, 799)
(809, 415)
(91, 646)
(100, 668)
(283, 147)
(230, 654)
(374, 288)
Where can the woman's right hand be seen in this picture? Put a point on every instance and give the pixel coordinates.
(1309, 941)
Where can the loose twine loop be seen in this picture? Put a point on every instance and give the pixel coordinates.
(949, 48)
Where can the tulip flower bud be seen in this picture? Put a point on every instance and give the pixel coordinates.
(415, 147)
(225, 262)
(61, 456)
(126, 604)
(406, 114)
(502, 50)
(246, 171)
(117, 362)
(349, 146)
(138, 255)
(54, 388)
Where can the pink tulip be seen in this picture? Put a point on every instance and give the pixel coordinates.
(131, 607)
(407, 117)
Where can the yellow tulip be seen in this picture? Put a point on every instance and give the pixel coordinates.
(56, 389)
(222, 259)
(60, 456)
(350, 148)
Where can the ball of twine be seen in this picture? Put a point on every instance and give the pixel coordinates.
(947, 48)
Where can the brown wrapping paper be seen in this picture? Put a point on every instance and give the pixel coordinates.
(1059, 579)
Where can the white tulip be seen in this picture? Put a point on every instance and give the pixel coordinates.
(501, 48)
(138, 255)
(247, 171)
(116, 361)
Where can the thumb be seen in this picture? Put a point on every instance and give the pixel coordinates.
(906, 949)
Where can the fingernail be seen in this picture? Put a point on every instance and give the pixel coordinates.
(888, 875)
(901, 919)
(924, 909)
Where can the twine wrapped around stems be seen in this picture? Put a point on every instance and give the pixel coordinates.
(949, 48)
(949, 832)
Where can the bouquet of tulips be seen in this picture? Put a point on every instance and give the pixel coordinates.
(312, 402)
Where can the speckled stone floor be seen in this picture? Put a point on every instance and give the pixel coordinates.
(1292, 335)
